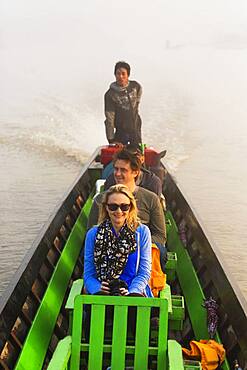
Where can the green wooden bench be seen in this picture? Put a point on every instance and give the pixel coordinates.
(175, 356)
(171, 266)
(192, 365)
(176, 308)
(68, 355)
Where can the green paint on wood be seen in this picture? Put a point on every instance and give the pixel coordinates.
(61, 356)
(96, 347)
(119, 337)
(142, 338)
(39, 336)
(190, 285)
(175, 357)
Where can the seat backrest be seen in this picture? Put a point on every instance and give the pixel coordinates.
(141, 349)
(99, 186)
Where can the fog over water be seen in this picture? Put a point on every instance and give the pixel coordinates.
(56, 62)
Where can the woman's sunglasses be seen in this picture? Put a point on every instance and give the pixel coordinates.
(123, 206)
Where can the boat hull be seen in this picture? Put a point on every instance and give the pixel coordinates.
(22, 301)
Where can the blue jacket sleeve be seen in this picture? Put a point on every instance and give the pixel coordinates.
(140, 282)
(92, 284)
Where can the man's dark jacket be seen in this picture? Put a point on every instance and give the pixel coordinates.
(123, 123)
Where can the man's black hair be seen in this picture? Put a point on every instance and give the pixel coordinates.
(122, 64)
(132, 158)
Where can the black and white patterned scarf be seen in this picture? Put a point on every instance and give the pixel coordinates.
(111, 251)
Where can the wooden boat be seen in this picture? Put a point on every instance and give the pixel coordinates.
(33, 316)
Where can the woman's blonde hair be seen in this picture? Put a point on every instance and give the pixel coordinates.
(132, 218)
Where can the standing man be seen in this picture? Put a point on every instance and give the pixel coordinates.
(123, 123)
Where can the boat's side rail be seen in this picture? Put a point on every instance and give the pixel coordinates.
(211, 271)
(22, 299)
(36, 345)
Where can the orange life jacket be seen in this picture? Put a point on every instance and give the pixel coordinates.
(209, 352)
(158, 279)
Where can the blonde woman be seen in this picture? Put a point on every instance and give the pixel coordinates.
(119, 248)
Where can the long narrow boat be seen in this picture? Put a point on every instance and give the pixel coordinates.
(33, 316)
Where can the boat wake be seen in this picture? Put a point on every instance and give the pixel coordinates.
(56, 128)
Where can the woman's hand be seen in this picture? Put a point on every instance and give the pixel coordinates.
(124, 291)
(105, 287)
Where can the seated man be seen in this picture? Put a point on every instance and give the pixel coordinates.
(126, 169)
(146, 179)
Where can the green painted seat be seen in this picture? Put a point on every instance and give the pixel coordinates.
(99, 186)
(175, 303)
(75, 290)
(176, 317)
(175, 357)
(70, 351)
(176, 308)
(192, 365)
(171, 266)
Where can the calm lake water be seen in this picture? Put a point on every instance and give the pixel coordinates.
(54, 70)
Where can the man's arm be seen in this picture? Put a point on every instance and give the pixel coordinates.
(110, 118)
(151, 214)
(140, 282)
(139, 94)
(157, 223)
(157, 185)
(151, 182)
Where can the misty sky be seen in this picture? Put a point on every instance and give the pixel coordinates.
(129, 22)
(52, 37)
